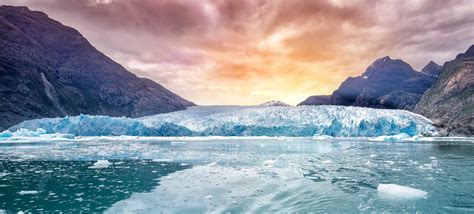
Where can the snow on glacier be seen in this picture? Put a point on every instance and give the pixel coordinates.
(336, 121)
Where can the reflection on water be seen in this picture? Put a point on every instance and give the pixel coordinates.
(72, 186)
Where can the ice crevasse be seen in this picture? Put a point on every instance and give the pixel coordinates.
(338, 121)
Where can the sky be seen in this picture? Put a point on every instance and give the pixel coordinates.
(250, 51)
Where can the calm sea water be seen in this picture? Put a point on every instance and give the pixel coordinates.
(234, 175)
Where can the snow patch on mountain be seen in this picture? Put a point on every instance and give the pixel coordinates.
(274, 103)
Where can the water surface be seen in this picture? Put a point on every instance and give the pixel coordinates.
(236, 175)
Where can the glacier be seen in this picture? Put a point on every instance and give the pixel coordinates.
(291, 121)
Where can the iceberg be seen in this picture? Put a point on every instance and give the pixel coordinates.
(298, 121)
(100, 164)
(391, 138)
(394, 191)
(28, 192)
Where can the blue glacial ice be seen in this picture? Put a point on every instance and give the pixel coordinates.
(25, 134)
(335, 121)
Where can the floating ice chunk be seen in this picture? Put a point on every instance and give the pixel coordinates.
(28, 192)
(162, 160)
(317, 121)
(394, 191)
(391, 138)
(100, 164)
(370, 164)
(390, 162)
(212, 164)
(269, 163)
(177, 142)
(322, 137)
(426, 167)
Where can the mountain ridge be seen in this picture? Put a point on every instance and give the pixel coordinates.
(50, 70)
(432, 68)
(386, 83)
(450, 101)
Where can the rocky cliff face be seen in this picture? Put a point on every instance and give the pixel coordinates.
(450, 101)
(387, 83)
(48, 70)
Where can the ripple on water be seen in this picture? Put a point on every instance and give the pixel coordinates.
(266, 176)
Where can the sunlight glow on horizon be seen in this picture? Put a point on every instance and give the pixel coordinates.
(249, 52)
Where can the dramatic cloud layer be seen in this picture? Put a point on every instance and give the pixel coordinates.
(251, 51)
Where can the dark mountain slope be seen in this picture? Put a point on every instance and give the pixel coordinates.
(48, 70)
(450, 101)
(316, 100)
(387, 83)
(432, 69)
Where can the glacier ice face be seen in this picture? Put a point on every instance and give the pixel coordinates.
(339, 121)
(25, 135)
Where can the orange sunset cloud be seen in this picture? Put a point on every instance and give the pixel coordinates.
(249, 52)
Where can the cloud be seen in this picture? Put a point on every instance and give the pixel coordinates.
(250, 51)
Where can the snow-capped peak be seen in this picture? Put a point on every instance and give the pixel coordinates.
(274, 103)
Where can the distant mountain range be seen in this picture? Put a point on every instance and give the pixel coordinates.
(50, 70)
(387, 83)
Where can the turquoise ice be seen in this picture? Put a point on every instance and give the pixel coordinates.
(336, 121)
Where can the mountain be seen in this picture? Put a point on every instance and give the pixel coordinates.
(450, 101)
(50, 70)
(387, 83)
(274, 103)
(432, 69)
(467, 55)
(316, 100)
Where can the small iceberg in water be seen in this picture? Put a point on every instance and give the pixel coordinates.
(28, 192)
(397, 192)
(100, 164)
